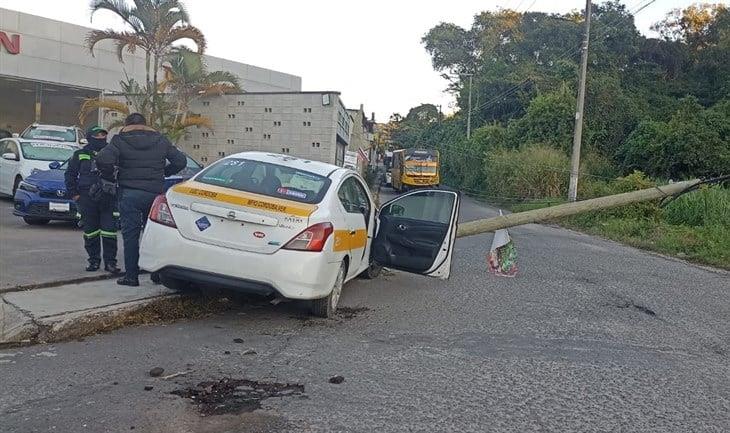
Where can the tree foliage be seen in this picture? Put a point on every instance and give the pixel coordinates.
(659, 105)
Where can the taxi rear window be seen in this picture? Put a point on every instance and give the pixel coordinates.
(268, 179)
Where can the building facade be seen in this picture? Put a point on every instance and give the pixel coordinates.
(311, 125)
(46, 71)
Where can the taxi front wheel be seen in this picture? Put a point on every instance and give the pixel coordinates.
(326, 307)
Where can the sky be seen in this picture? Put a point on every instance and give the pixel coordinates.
(371, 51)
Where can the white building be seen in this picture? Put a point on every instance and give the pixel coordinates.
(46, 71)
(312, 125)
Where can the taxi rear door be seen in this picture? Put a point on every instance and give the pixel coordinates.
(356, 209)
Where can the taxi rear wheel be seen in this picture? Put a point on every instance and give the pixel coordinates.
(326, 307)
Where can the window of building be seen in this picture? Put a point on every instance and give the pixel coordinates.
(307, 110)
(267, 110)
(206, 103)
(284, 150)
(240, 103)
(249, 129)
(203, 159)
(306, 123)
(205, 134)
(315, 144)
(196, 146)
(267, 136)
(230, 141)
(277, 123)
(231, 116)
(221, 154)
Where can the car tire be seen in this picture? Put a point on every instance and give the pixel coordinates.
(327, 306)
(36, 221)
(18, 179)
(372, 272)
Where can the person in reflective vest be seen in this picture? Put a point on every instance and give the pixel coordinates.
(96, 201)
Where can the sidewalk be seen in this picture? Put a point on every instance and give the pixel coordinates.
(44, 315)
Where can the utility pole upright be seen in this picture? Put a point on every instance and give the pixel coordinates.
(468, 116)
(578, 133)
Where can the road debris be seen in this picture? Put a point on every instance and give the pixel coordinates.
(157, 372)
(238, 340)
(173, 375)
(249, 352)
(337, 379)
(235, 395)
(149, 388)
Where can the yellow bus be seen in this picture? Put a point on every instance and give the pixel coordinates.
(414, 168)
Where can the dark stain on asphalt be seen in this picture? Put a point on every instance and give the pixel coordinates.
(235, 396)
(350, 312)
(638, 307)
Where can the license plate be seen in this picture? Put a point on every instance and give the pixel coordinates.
(59, 207)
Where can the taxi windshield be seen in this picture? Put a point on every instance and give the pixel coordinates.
(51, 133)
(267, 179)
(46, 151)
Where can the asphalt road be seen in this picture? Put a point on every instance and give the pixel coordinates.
(39, 254)
(591, 336)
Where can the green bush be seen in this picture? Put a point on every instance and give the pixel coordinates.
(534, 172)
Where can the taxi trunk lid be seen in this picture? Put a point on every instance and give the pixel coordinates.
(235, 219)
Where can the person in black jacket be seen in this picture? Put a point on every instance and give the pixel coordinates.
(97, 208)
(140, 155)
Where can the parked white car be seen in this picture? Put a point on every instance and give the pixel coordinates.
(19, 157)
(273, 224)
(64, 134)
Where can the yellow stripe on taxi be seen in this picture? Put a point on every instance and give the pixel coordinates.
(345, 240)
(240, 198)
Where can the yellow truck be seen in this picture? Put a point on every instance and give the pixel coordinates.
(415, 168)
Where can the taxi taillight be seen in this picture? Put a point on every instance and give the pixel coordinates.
(311, 239)
(161, 213)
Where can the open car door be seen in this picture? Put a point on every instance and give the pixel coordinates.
(416, 232)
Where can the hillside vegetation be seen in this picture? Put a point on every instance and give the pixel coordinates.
(656, 110)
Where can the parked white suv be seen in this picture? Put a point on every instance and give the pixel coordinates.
(62, 134)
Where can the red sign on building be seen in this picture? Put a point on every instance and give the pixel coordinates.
(11, 43)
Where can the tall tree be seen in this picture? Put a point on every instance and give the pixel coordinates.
(153, 26)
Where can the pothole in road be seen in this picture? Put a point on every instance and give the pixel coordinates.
(228, 396)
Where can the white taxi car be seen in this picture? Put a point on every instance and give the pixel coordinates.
(273, 224)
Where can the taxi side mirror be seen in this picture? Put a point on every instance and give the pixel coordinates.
(55, 165)
(84, 141)
(10, 156)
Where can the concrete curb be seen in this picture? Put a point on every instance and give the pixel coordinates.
(72, 310)
(21, 328)
(58, 283)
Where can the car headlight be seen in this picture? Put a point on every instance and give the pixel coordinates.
(25, 186)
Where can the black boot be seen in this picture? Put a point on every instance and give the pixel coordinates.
(126, 281)
(93, 267)
(155, 277)
(112, 268)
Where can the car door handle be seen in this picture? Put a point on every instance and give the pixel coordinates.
(353, 232)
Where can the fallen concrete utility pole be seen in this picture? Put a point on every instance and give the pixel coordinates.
(532, 216)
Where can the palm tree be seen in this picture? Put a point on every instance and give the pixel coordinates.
(153, 26)
(135, 99)
(187, 77)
